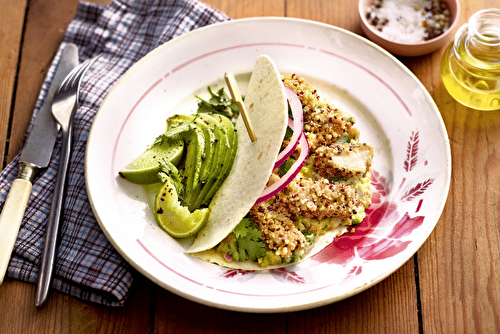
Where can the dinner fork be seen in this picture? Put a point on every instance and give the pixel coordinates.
(64, 106)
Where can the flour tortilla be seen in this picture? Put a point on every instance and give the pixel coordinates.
(267, 108)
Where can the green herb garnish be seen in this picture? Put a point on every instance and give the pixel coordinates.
(285, 167)
(248, 239)
(218, 103)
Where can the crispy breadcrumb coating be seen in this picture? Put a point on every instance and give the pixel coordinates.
(323, 123)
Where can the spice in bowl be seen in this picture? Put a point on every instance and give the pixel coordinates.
(409, 21)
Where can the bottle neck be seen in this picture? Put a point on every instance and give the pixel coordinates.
(483, 36)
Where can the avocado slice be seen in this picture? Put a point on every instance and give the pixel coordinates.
(206, 163)
(221, 145)
(194, 158)
(211, 145)
(225, 163)
(212, 125)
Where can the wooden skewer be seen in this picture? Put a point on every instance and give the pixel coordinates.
(235, 94)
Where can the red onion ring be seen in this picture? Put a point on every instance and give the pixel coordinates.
(290, 175)
(296, 125)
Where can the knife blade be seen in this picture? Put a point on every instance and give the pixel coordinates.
(34, 156)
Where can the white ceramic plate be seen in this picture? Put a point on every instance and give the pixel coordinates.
(394, 112)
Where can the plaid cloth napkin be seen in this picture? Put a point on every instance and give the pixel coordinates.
(88, 267)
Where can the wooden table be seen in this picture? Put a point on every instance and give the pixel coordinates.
(452, 285)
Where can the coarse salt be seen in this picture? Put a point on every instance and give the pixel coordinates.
(402, 21)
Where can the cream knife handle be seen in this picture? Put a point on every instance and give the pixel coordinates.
(11, 217)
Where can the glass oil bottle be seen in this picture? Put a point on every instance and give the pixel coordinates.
(470, 67)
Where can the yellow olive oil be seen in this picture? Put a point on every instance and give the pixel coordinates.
(470, 67)
(477, 89)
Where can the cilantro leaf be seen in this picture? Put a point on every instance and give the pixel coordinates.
(240, 231)
(248, 240)
(218, 103)
(285, 167)
(253, 249)
(343, 140)
(159, 140)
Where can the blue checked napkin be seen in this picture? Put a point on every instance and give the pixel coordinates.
(88, 267)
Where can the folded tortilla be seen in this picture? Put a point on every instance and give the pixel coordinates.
(267, 108)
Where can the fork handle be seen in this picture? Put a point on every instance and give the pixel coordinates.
(56, 211)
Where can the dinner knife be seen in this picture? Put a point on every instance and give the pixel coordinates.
(34, 156)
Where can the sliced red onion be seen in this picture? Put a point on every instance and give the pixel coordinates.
(296, 125)
(290, 175)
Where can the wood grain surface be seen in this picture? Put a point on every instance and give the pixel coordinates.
(452, 284)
